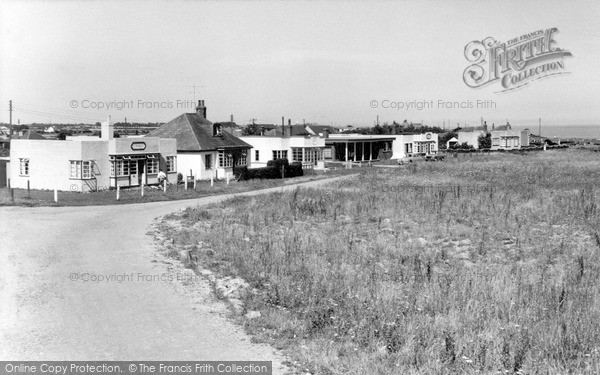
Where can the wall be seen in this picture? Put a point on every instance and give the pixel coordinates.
(168, 147)
(398, 146)
(266, 145)
(49, 166)
(195, 162)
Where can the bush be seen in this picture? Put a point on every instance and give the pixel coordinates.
(294, 170)
(264, 173)
(240, 172)
(271, 171)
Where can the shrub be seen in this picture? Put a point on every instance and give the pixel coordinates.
(241, 172)
(294, 170)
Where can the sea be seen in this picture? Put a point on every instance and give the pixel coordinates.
(564, 131)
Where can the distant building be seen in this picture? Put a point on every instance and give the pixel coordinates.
(358, 147)
(204, 149)
(470, 136)
(410, 144)
(90, 163)
(509, 139)
(297, 143)
(451, 142)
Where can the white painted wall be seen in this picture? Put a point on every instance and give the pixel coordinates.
(398, 146)
(266, 145)
(49, 163)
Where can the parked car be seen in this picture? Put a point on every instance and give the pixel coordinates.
(409, 158)
(434, 157)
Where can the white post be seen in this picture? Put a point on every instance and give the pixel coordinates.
(143, 179)
(55, 195)
(165, 185)
(195, 182)
(185, 181)
(118, 192)
(227, 175)
(212, 180)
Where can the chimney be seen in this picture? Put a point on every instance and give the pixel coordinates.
(107, 129)
(290, 126)
(485, 126)
(201, 109)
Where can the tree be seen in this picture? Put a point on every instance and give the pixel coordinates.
(485, 141)
(63, 133)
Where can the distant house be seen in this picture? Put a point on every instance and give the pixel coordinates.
(294, 143)
(204, 149)
(471, 136)
(509, 139)
(28, 134)
(451, 142)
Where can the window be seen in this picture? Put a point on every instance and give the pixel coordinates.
(256, 155)
(86, 169)
(217, 131)
(242, 159)
(81, 169)
(152, 166)
(279, 154)
(296, 154)
(171, 164)
(24, 167)
(225, 159)
(208, 162)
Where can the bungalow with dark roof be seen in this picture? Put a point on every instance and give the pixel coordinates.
(204, 149)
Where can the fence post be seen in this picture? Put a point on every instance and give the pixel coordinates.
(195, 182)
(12, 194)
(165, 185)
(55, 195)
(142, 191)
(227, 176)
(185, 181)
(118, 192)
(212, 180)
(28, 190)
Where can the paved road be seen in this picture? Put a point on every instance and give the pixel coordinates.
(44, 315)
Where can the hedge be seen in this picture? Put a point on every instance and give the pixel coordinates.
(271, 171)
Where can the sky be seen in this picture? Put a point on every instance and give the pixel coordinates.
(330, 62)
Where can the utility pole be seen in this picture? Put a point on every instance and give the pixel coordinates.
(231, 124)
(540, 128)
(10, 120)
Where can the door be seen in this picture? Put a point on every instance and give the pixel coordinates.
(133, 172)
(140, 171)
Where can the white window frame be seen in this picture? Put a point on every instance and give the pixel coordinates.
(256, 155)
(243, 159)
(24, 166)
(171, 164)
(152, 166)
(81, 169)
(225, 160)
(279, 154)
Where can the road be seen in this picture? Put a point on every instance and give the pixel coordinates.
(45, 315)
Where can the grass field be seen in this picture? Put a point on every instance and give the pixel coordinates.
(151, 193)
(472, 265)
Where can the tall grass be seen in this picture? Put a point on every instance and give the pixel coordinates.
(471, 266)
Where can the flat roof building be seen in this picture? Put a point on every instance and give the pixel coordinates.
(90, 163)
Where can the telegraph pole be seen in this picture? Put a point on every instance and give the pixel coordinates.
(10, 120)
